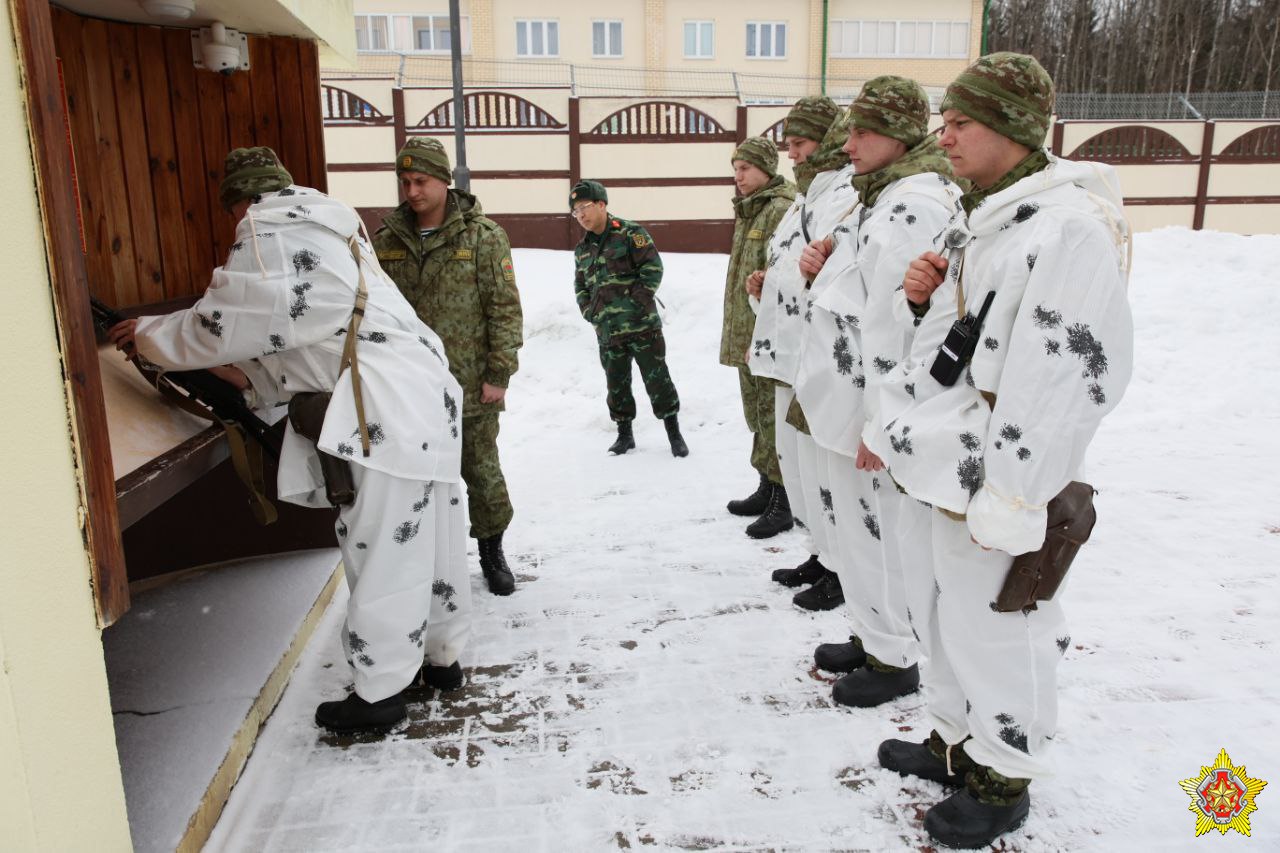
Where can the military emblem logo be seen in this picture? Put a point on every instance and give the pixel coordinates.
(406, 161)
(639, 241)
(1222, 796)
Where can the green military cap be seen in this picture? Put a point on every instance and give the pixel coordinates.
(1010, 93)
(759, 152)
(587, 191)
(249, 172)
(892, 106)
(811, 117)
(424, 154)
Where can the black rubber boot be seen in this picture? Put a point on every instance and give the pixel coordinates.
(926, 760)
(810, 571)
(442, 677)
(776, 517)
(353, 714)
(625, 440)
(826, 594)
(678, 447)
(871, 686)
(494, 565)
(840, 657)
(967, 819)
(755, 503)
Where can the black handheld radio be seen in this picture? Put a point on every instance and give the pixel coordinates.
(960, 345)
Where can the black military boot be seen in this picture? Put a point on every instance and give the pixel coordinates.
(986, 808)
(875, 684)
(826, 594)
(625, 440)
(678, 447)
(755, 503)
(840, 657)
(494, 565)
(441, 677)
(776, 517)
(810, 571)
(353, 714)
(927, 760)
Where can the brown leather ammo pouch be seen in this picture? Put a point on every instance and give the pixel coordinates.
(1036, 576)
(306, 416)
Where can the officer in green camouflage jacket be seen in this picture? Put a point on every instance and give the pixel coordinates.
(763, 199)
(617, 273)
(454, 266)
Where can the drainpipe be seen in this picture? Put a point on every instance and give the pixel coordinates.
(461, 174)
(824, 46)
(986, 7)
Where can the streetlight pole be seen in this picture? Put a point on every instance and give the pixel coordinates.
(461, 174)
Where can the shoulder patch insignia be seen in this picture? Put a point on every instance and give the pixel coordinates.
(508, 273)
(392, 255)
(755, 234)
(639, 240)
(462, 254)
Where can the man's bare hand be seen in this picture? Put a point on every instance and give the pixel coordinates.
(814, 257)
(122, 334)
(924, 274)
(491, 393)
(755, 283)
(866, 460)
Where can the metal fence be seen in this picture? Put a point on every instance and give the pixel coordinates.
(1170, 105)
(587, 80)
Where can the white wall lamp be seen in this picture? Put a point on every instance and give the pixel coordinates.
(219, 49)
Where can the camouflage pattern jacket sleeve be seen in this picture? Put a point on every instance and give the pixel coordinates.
(500, 303)
(756, 218)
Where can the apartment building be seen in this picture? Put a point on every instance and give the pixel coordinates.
(929, 40)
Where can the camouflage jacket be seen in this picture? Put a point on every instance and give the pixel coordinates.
(757, 217)
(617, 273)
(461, 283)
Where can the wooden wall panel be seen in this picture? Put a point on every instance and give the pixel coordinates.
(150, 135)
(183, 103)
(123, 45)
(162, 163)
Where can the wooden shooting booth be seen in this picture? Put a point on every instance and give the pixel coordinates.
(128, 139)
(145, 136)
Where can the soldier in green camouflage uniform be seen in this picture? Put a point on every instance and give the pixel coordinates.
(763, 198)
(617, 273)
(454, 266)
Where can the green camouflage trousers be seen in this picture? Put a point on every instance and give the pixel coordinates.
(649, 349)
(757, 405)
(487, 501)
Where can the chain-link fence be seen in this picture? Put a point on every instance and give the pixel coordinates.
(1171, 105)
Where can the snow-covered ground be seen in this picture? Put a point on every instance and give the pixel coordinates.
(648, 686)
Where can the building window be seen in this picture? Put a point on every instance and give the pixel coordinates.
(606, 38)
(409, 33)
(699, 40)
(537, 38)
(766, 39)
(909, 39)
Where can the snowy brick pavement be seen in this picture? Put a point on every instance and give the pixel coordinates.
(648, 688)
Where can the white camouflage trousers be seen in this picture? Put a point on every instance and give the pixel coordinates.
(793, 446)
(404, 550)
(989, 676)
(862, 526)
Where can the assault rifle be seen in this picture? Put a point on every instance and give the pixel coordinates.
(198, 391)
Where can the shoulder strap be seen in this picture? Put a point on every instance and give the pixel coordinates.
(349, 348)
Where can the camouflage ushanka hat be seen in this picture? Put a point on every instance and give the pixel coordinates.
(250, 172)
(587, 191)
(1010, 93)
(811, 117)
(759, 152)
(892, 106)
(426, 155)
